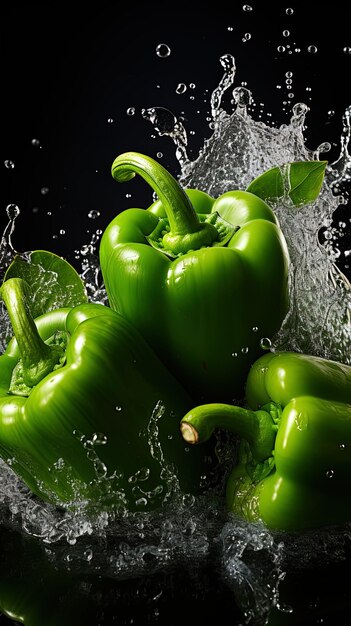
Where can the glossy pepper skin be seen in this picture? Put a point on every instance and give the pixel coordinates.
(294, 469)
(203, 280)
(96, 418)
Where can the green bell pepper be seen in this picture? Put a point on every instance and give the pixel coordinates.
(294, 468)
(203, 280)
(87, 410)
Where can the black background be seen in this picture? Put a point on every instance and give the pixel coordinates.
(65, 73)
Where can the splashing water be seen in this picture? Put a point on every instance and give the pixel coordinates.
(238, 151)
(188, 530)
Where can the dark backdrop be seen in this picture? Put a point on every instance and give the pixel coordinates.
(66, 72)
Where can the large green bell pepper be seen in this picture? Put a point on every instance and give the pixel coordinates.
(203, 280)
(294, 469)
(87, 410)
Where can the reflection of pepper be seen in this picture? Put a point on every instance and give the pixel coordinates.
(295, 457)
(89, 427)
(203, 280)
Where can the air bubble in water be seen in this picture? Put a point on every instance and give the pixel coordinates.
(286, 33)
(110, 120)
(289, 11)
(247, 8)
(44, 191)
(330, 473)
(281, 48)
(246, 37)
(159, 155)
(62, 231)
(35, 142)
(131, 111)
(9, 164)
(312, 49)
(181, 88)
(162, 50)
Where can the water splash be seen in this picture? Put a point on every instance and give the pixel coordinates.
(240, 149)
(188, 530)
(167, 124)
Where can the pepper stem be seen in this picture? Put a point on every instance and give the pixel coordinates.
(256, 427)
(186, 230)
(38, 359)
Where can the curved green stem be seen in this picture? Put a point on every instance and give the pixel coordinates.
(186, 230)
(256, 427)
(38, 358)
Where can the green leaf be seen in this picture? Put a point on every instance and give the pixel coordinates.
(53, 281)
(301, 181)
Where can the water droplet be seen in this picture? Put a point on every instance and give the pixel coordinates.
(342, 446)
(289, 11)
(141, 502)
(181, 88)
(331, 113)
(44, 191)
(244, 350)
(93, 214)
(291, 95)
(301, 421)
(246, 37)
(35, 142)
(59, 464)
(255, 329)
(247, 8)
(230, 28)
(48, 213)
(62, 231)
(234, 354)
(312, 49)
(265, 343)
(159, 155)
(286, 33)
(131, 111)
(118, 408)
(110, 120)
(9, 164)
(347, 50)
(162, 50)
(289, 74)
(281, 48)
(192, 85)
(324, 147)
(88, 554)
(12, 211)
(330, 473)
(99, 439)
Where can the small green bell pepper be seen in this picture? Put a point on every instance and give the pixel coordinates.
(87, 410)
(203, 280)
(294, 468)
